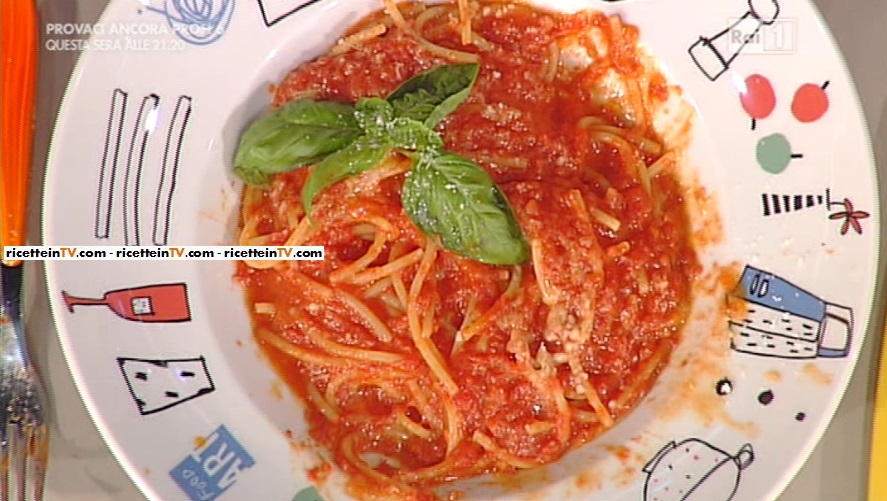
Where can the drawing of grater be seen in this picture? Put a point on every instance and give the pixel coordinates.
(771, 317)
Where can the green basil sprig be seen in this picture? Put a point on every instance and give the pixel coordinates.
(297, 134)
(361, 155)
(452, 197)
(445, 195)
(432, 95)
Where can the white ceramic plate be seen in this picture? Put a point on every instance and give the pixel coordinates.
(141, 155)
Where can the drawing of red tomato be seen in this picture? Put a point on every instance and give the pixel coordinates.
(759, 99)
(810, 102)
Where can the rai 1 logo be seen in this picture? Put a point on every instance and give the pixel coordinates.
(778, 36)
(213, 467)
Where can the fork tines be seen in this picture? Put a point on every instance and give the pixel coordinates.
(23, 456)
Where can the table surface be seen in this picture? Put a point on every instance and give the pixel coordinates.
(82, 468)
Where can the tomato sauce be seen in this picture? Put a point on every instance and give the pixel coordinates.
(527, 131)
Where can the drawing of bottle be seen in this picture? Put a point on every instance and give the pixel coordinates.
(771, 317)
(714, 54)
(151, 303)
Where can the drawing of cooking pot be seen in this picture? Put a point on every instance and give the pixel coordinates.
(772, 317)
(694, 470)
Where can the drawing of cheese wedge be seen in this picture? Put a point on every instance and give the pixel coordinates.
(157, 385)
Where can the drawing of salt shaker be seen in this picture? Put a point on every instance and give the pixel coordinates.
(714, 54)
(772, 317)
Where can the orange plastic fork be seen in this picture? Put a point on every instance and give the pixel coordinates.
(24, 438)
(18, 75)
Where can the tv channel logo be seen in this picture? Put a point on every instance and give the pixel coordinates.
(751, 37)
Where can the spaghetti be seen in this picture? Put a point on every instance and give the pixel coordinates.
(418, 366)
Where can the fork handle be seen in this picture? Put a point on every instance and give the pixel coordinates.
(18, 76)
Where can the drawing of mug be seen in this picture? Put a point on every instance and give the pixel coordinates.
(772, 317)
(714, 54)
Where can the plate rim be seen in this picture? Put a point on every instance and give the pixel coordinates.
(800, 457)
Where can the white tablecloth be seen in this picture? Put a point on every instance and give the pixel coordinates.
(82, 468)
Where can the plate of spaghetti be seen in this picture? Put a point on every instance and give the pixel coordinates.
(570, 250)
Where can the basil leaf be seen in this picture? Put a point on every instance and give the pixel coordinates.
(432, 95)
(322, 113)
(373, 114)
(297, 134)
(451, 197)
(361, 155)
(409, 134)
(252, 177)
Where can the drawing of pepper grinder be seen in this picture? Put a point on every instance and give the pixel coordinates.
(713, 55)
